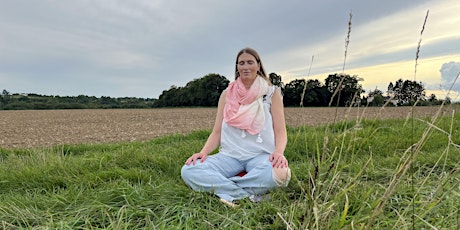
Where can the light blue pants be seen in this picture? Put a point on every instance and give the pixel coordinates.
(217, 174)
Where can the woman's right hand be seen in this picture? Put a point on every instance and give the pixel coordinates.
(194, 158)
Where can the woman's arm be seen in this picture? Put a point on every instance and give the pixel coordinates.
(214, 138)
(279, 127)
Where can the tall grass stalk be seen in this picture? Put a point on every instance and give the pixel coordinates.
(347, 42)
(419, 45)
(417, 99)
(414, 150)
(305, 86)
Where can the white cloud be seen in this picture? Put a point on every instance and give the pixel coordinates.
(449, 76)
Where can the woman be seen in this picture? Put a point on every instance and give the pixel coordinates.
(250, 129)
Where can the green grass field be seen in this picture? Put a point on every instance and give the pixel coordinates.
(370, 174)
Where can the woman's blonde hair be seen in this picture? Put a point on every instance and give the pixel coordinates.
(261, 72)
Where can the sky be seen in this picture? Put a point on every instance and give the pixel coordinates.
(139, 48)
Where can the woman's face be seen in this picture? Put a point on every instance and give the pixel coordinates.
(247, 66)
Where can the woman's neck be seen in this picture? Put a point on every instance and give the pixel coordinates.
(248, 82)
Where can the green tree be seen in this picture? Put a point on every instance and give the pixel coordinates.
(4, 99)
(215, 84)
(168, 97)
(316, 94)
(108, 102)
(203, 91)
(293, 92)
(375, 98)
(407, 92)
(206, 91)
(347, 88)
(5, 93)
(390, 89)
(275, 79)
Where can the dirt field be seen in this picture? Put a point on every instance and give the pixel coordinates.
(35, 128)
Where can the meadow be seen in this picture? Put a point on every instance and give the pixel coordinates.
(353, 168)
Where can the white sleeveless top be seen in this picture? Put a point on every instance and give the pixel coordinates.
(241, 145)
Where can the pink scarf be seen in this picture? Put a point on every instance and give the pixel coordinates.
(244, 108)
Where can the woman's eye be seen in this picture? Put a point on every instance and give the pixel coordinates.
(248, 62)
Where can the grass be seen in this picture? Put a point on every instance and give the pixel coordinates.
(346, 175)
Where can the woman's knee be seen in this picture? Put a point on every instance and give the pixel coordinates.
(282, 176)
(184, 170)
(193, 172)
(188, 173)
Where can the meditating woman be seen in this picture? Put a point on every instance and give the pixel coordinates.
(250, 129)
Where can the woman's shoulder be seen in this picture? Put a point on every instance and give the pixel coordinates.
(223, 96)
(271, 90)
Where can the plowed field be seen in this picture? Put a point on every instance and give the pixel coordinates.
(43, 128)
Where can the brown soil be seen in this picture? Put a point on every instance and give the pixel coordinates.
(43, 128)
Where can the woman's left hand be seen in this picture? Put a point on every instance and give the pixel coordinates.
(278, 160)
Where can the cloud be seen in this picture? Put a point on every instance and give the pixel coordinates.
(449, 75)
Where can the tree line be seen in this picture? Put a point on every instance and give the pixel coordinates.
(17, 101)
(337, 90)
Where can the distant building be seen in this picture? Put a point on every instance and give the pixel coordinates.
(391, 100)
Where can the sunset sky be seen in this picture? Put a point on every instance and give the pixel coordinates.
(140, 48)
